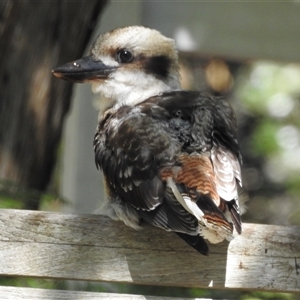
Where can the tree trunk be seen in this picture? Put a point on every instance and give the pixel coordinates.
(35, 37)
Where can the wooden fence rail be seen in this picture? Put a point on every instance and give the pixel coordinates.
(92, 247)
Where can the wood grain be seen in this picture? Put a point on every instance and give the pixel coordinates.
(13, 293)
(92, 247)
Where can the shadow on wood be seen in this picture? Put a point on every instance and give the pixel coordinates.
(167, 260)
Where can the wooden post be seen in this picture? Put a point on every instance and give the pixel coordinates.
(93, 247)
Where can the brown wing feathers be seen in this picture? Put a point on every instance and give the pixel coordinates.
(156, 157)
(195, 173)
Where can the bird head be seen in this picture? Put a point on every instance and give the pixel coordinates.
(127, 65)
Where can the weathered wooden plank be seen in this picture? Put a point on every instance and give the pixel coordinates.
(92, 247)
(17, 293)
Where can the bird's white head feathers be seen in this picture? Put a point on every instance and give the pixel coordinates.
(127, 65)
(152, 67)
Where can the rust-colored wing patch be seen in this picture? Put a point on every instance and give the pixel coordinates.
(195, 171)
(192, 181)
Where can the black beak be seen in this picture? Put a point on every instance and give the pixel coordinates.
(84, 69)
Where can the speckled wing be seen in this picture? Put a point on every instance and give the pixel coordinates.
(131, 145)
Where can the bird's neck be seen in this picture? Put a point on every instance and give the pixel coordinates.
(128, 89)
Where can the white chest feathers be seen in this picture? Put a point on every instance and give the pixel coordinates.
(126, 87)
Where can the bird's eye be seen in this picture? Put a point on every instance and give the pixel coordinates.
(125, 56)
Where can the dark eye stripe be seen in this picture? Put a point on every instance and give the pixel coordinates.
(158, 66)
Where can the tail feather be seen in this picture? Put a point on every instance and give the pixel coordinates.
(235, 215)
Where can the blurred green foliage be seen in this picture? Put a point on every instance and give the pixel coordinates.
(28, 282)
(268, 106)
(264, 139)
(269, 296)
(12, 196)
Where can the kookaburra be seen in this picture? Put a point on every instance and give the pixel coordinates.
(170, 157)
